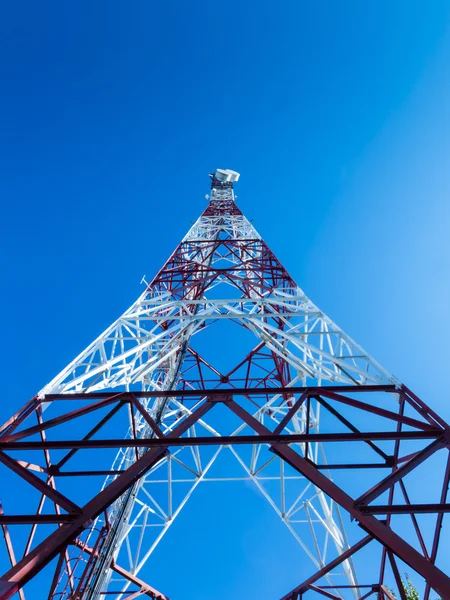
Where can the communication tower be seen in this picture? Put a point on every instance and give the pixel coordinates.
(332, 440)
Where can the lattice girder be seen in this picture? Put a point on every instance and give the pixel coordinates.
(274, 414)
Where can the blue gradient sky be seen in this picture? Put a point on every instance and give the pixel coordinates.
(335, 113)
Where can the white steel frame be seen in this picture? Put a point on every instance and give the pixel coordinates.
(138, 352)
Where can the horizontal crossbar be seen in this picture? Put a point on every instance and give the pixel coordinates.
(261, 391)
(223, 440)
(405, 509)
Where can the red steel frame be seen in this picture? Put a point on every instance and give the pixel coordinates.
(427, 426)
(263, 274)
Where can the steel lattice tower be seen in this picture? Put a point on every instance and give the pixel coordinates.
(305, 408)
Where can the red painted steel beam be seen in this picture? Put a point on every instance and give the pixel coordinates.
(438, 528)
(37, 519)
(20, 415)
(291, 412)
(401, 472)
(422, 408)
(398, 579)
(277, 441)
(40, 485)
(148, 589)
(313, 390)
(329, 567)
(8, 589)
(414, 521)
(10, 548)
(350, 426)
(401, 411)
(134, 595)
(325, 467)
(346, 587)
(89, 435)
(387, 593)
(438, 580)
(62, 419)
(56, 574)
(324, 593)
(376, 410)
(267, 438)
(405, 509)
(100, 472)
(146, 415)
(40, 556)
(373, 591)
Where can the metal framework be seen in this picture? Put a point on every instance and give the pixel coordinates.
(305, 392)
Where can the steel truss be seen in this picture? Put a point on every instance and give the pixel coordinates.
(304, 389)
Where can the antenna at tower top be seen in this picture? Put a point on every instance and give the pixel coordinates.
(225, 176)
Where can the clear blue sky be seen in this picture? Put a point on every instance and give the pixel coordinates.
(335, 113)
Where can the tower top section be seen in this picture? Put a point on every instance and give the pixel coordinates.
(223, 178)
(222, 193)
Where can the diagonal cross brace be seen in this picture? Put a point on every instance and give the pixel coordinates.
(438, 580)
(146, 589)
(398, 474)
(327, 568)
(40, 485)
(36, 560)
